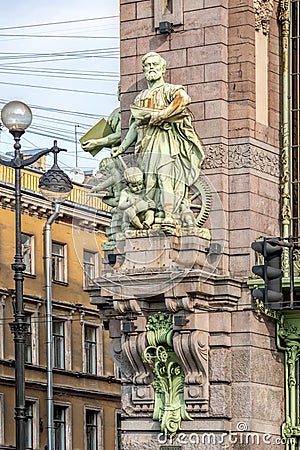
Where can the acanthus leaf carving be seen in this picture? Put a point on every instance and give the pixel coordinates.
(215, 156)
(263, 12)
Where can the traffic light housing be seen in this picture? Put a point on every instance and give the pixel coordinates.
(270, 271)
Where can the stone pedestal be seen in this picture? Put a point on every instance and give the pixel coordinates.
(223, 346)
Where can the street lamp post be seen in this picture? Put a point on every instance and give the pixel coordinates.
(17, 116)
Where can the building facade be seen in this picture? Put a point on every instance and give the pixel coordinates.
(239, 61)
(85, 389)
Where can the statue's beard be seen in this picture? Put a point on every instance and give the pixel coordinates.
(153, 76)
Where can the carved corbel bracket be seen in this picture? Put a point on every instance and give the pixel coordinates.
(191, 348)
(123, 306)
(120, 359)
(133, 347)
(187, 303)
(3, 298)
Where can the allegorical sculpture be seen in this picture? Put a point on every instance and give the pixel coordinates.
(163, 190)
(168, 150)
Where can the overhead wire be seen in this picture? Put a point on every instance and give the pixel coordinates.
(59, 111)
(58, 89)
(74, 77)
(33, 58)
(88, 52)
(57, 36)
(59, 23)
(12, 63)
(72, 73)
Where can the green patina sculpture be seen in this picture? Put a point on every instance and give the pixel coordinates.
(169, 157)
(168, 149)
(169, 407)
(109, 191)
(138, 208)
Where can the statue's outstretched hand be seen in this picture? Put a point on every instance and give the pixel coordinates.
(116, 151)
(90, 144)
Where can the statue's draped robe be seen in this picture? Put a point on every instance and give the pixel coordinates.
(170, 154)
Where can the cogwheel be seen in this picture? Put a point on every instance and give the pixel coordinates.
(200, 201)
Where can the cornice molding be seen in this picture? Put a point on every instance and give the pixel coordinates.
(33, 204)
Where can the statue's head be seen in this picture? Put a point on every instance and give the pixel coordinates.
(106, 164)
(154, 66)
(134, 179)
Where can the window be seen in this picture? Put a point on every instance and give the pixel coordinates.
(90, 267)
(28, 340)
(92, 345)
(118, 430)
(59, 262)
(29, 425)
(91, 429)
(31, 338)
(59, 422)
(90, 349)
(59, 344)
(28, 252)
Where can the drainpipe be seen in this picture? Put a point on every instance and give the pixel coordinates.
(49, 334)
(284, 18)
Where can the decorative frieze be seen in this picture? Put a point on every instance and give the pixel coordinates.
(215, 156)
(249, 156)
(240, 156)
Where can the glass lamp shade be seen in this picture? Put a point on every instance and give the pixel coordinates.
(55, 185)
(16, 115)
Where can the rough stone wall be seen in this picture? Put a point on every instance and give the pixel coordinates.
(212, 53)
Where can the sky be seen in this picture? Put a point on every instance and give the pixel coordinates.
(67, 73)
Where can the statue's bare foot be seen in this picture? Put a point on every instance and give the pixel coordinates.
(168, 220)
(135, 221)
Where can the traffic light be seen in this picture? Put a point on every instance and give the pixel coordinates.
(270, 271)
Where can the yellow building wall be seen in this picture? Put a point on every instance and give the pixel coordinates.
(69, 295)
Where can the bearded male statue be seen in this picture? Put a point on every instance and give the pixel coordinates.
(168, 150)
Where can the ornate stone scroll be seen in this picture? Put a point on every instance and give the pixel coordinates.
(169, 407)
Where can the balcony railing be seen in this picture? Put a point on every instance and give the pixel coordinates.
(30, 181)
